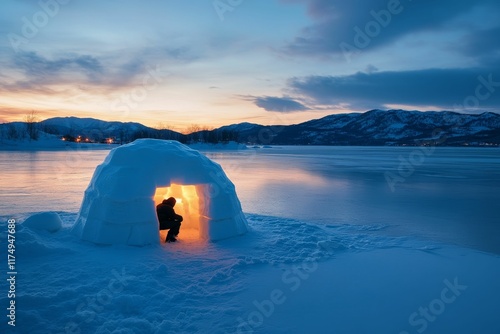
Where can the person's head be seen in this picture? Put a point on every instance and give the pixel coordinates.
(170, 201)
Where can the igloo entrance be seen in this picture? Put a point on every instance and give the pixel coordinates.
(188, 206)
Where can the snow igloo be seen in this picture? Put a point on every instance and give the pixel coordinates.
(119, 205)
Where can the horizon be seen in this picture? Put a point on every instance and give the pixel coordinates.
(276, 62)
(203, 127)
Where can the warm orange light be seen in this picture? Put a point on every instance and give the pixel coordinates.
(188, 205)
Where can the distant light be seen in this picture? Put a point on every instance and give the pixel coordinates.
(178, 200)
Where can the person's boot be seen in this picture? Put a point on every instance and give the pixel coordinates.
(170, 238)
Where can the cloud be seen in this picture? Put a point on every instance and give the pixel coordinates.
(445, 88)
(279, 104)
(483, 45)
(33, 72)
(29, 72)
(34, 65)
(337, 22)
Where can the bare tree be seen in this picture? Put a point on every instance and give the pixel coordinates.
(31, 120)
(163, 126)
(192, 133)
(204, 133)
(193, 128)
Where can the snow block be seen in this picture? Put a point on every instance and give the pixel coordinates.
(119, 204)
(46, 221)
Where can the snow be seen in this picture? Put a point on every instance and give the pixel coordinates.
(47, 221)
(119, 203)
(48, 142)
(283, 276)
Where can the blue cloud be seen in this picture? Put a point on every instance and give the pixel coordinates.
(35, 72)
(445, 88)
(383, 22)
(279, 104)
(482, 45)
(35, 65)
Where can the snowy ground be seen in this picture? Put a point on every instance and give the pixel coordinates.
(284, 276)
(48, 142)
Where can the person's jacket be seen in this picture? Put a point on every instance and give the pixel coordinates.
(166, 212)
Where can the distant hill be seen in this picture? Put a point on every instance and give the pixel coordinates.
(97, 129)
(82, 126)
(374, 127)
(381, 127)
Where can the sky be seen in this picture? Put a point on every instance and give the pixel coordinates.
(174, 63)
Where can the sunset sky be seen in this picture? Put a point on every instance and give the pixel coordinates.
(228, 61)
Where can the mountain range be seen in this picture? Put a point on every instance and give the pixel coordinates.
(374, 127)
(381, 127)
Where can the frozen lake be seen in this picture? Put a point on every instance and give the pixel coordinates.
(448, 195)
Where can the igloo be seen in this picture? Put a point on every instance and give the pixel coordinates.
(119, 205)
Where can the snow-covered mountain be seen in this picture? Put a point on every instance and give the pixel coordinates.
(381, 127)
(240, 127)
(375, 127)
(89, 127)
(96, 129)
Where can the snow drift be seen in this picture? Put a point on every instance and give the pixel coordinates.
(119, 203)
(45, 221)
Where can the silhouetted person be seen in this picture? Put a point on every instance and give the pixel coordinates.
(168, 219)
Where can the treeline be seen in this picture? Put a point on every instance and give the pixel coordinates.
(203, 136)
(14, 131)
(154, 134)
(212, 136)
(29, 128)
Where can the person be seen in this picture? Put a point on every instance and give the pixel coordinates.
(168, 219)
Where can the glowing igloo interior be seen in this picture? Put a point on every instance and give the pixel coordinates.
(188, 206)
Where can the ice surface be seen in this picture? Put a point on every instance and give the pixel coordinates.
(119, 207)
